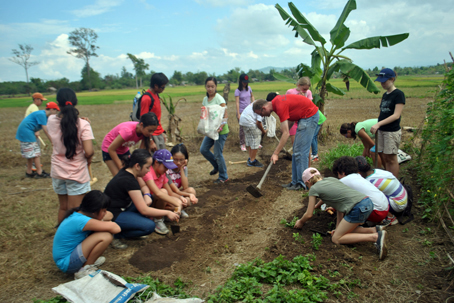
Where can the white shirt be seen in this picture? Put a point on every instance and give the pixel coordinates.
(248, 118)
(357, 182)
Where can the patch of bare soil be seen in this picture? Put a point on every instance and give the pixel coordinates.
(227, 227)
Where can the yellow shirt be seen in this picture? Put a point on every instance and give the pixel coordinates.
(32, 108)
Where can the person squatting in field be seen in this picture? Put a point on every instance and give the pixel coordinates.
(290, 109)
(124, 188)
(352, 207)
(117, 142)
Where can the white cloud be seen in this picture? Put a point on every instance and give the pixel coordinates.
(218, 3)
(100, 7)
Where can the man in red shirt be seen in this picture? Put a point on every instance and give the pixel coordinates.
(290, 109)
(158, 84)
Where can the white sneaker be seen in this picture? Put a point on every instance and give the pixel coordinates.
(100, 261)
(160, 228)
(117, 244)
(184, 214)
(85, 271)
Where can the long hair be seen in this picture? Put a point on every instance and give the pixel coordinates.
(139, 156)
(93, 202)
(240, 83)
(147, 120)
(211, 79)
(180, 148)
(348, 127)
(67, 101)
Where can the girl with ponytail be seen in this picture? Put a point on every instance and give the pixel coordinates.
(82, 236)
(72, 152)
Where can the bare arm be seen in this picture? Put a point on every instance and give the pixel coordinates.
(282, 141)
(184, 179)
(88, 149)
(252, 97)
(47, 133)
(367, 142)
(392, 118)
(162, 196)
(260, 126)
(113, 150)
(308, 214)
(144, 210)
(96, 225)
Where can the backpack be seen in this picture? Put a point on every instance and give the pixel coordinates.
(407, 210)
(135, 114)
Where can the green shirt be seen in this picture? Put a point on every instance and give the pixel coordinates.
(336, 194)
(321, 118)
(367, 126)
(217, 100)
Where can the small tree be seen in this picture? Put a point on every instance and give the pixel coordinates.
(22, 56)
(83, 40)
(173, 130)
(140, 67)
(325, 62)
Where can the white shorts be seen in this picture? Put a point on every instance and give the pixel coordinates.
(70, 187)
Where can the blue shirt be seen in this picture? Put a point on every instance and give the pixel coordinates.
(31, 124)
(69, 234)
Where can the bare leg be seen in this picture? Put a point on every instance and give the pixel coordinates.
(29, 165)
(391, 164)
(63, 199)
(189, 190)
(379, 164)
(75, 201)
(39, 169)
(112, 167)
(94, 246)
(344, 235)
(253, 154)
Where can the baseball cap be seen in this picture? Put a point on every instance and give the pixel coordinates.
(52, 105)
(165, 157)
(38, 96)
(244, 78)
(363, 165)
(385, 74)
(307, 175)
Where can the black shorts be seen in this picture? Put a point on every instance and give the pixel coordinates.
(106, 156)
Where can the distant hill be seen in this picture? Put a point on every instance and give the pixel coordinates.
(267, 69)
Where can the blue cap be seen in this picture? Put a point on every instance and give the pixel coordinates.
(165, 157)
(385, 74)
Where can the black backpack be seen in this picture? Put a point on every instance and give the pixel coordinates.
(135, 114)
(407, 210)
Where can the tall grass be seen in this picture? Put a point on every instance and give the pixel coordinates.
(413, 87)
(327, 159)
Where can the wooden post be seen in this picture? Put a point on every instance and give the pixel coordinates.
(226, 92)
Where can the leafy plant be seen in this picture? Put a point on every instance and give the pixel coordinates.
(353, 150)
(289, 224)
(173, 130)
(316, 241)
(327, 60)
(298, 238)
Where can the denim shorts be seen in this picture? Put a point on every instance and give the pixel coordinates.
(70, 187)
(360, 212)
(77, 260)
(106, 156)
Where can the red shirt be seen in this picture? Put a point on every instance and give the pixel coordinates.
(144, 108)
(293, 107)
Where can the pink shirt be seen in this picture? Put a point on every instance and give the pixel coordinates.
(294, 91)
(159, 181)
(61, 167)
(127, 130)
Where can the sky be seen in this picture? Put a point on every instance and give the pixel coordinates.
(214, 36)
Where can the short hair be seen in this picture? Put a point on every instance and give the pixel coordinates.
(271, 96)
(158, 79)
(346, 165)
(258, 104)
(363, 165)
(304, 81)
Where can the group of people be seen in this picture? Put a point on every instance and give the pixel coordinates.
(150, 185)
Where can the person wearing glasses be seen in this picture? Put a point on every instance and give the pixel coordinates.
(388, 129)
(362, 130)
(158, 84)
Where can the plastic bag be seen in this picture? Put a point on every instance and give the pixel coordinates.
(270, 125)
(210, 120)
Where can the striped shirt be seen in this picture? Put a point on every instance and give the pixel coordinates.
(391, 187)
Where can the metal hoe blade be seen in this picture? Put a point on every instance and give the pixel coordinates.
(255, 191)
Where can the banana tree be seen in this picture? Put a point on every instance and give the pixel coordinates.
(327, 60)
(173, 130)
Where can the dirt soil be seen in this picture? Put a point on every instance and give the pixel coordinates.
(227, 227)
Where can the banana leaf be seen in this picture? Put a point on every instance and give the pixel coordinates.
(332, 89)
(358, 74)
(280, 77)
(340, 33)
(376, 42)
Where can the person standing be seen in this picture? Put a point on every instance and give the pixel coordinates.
(148, 104)
(290, 109)
(243, 97)
(38, 99)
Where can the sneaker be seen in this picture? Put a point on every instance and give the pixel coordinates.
(381, 245)
(43, 175)
(219, 181)
(184, 214)
(117, 244)
(314, 158)
(260, 146)
(213, 172)
(295, 187)
(85, 271)
(287, 185)
(32, 175)
(389, 221)
(100, 261)
(243, 147)
(255, 163)
(160, 228)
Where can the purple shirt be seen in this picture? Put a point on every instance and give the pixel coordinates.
(245, 97)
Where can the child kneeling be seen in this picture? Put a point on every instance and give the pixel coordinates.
(82, 237)
(353, 208)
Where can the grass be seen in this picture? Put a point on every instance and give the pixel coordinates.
(414, 87)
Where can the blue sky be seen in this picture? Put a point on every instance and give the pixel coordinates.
(213, 35)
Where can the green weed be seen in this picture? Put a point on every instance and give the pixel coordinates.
(289, 224)
(316, 240)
